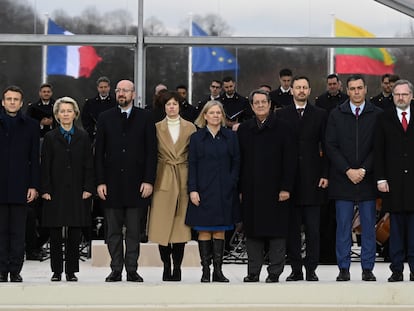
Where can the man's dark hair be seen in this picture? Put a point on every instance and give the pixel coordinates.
(228, 79)
(296, 78)
(383, 77)
(43, 85)
(285, 72)
(13, 88)
(217, 81)
(181, 86)
(103, 79)
(332, 76)
(354, 78)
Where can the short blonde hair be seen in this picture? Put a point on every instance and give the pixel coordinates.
(201, 122)
(65, 100)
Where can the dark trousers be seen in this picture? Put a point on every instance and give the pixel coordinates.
(255, 253)
(309, 216)
(116, 218)
(12, 236)
(70, 238)
(401, 234)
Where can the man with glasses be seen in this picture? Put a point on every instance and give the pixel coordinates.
(394, 168)
(125, 159)
(350, 149)
(215, 91)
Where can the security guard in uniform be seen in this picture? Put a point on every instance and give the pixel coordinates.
(333, 96)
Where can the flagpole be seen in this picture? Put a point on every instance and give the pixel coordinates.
(44, 50)
(331, 56)
(190, 61)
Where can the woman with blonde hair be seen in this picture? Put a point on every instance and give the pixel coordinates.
(66, 183)
(214, 161)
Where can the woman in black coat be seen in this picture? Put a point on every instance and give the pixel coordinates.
(66, 183)
(214, 160)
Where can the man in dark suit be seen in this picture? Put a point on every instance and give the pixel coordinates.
(187, 111)
(125, 159)
(350, 149)
(267, 173)
(281, 97)
(309, 123)
(394, 170)
(19, 179)
(333, 95)
(94, 106)
(215, 90)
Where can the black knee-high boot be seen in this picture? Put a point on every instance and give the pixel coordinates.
(206, 253)
(165, 252)
(218, 251)
(177, 257)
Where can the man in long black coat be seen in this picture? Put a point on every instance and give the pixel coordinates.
(309, 123)
(350, 149)
(126, 159)
(394, 170)
(19, 179)
(268, 165)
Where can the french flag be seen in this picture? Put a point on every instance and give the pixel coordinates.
(75, 61)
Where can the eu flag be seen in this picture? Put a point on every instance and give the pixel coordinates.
(207, 59)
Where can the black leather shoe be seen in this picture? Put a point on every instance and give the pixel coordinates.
(134, 277)
(56, 277)
(3, 277)
(15, 277)
(396, 277)
(311, 276)
(367, 275)
(251, 278)
(343, 275)
(114, 276)
(272, 278)
(295, 276)
(411, 276)
(36, 256)
(71, 277)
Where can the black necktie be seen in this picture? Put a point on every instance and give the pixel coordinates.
(300, 112)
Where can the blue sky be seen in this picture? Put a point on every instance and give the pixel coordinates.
(254, 18)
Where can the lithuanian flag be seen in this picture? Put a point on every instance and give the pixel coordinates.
(370, 61)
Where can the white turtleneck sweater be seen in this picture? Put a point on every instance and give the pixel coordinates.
(174, 128)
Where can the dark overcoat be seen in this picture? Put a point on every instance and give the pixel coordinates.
(66, 171)
(92, 108)
(312, 164)
(19, 158)
(350, 144)
(125, 156)
(213, 171)
(268, 165)
(394, 160)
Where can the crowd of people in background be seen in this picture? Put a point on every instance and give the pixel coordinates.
(273, 165)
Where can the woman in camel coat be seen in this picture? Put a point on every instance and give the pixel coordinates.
(170, 198)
